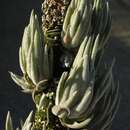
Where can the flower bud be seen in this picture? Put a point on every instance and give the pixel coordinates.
(35, 57)
(77, 22)
(81, 96)
(27, 125)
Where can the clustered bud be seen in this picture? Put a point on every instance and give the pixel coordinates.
(77, 22)
(27, 125)
(81, 98)
(86, 96)
(35, 57)
(83, 18)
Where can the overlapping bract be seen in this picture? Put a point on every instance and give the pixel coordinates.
(85, 17)
(30, 122)
(77, 22)
(35, 57)
(86, 98)
(82, 99)
(27, 125)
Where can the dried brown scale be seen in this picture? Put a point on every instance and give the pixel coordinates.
(53, 13)
(53, 17)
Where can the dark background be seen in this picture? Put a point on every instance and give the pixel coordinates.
(14, 16)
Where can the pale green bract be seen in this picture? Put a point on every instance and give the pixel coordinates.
(81, 97)
(27, 125)
(35, 57)
(8, 125)
(85, 98)
(77, 22)
(84, 17)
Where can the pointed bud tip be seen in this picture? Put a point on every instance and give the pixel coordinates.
(32, 12)
(10, 73)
